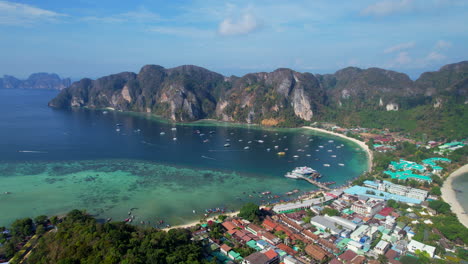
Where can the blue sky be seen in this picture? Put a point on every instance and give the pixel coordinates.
(87, 38)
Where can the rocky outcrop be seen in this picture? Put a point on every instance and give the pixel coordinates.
(282, 97)
(35, 81)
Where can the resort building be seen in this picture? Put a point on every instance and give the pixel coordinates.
(368, 208)
(397, 189)
(415, 245)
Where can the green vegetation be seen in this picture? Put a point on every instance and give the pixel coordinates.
(251, 212)
(330, 211)
(440, 207)
(80, 239)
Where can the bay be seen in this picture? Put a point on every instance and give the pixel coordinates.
(52, 161)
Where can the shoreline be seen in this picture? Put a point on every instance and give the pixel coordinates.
(449, 195)
(194, 223)
(361, 144)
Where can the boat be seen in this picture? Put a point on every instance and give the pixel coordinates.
(268, 149)
(240, 140)
(227, 145)
(117, 129)
(276, 147)
(333, 156)
(174, 129)
(193, 211)
(174, 139)
(296, 156)
(308, 155)
(340, 164)
(326, 165)
(281, 153)
(329, 150)
(206, 140)
(330, 141)
(260, 141)
(249, 142)
(105, 112)
(320, 146)
(266, 192)
(246, 148)
(162, 133)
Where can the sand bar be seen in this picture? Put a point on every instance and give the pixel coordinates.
(448, 194)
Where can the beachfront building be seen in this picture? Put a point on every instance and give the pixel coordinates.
(397, 189)
(404, 170)
(368, 208)
(449, 147)
(415, 245)
(379, 195)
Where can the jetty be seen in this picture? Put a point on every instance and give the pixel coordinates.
(314, 182)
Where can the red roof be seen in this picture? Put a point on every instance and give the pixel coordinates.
(229, 225)
(386, 211)
(225, 247)
(271, 254)
(348, 255)
(287, 249)
(335, 261)
(269, 224)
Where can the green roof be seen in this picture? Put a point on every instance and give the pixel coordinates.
(343, 243)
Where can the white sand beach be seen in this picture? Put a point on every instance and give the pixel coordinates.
(360, 143)
(194, 223)
(448, 194)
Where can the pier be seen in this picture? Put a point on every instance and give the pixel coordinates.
(314, 182)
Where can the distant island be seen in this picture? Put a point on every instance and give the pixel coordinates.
(49, 81)
(350, 97)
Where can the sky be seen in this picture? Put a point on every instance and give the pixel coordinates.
(88, 38)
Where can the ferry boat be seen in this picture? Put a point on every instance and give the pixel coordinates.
(301, 172)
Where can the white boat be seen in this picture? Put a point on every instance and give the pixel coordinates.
(320, 146)
(260, 141)
(162, 133)
(240, 140)
(340, 164)
(174, 139)
(246, 148)
(326, 165)
(333, 156)
(174, 129)
(301, 172)
(227, 145)
(268, 149)
(276, 147)
(329, 150)
(296, 156)
(308, 155)
(249, 142)
(117, 129)
(330, 141)
(105, 112)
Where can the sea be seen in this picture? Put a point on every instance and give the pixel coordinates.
(460, 185)
(113, 164)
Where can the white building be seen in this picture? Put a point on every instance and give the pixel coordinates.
(381, 247)
(369, 208)
(415, 245)
(360, 232)
(354, 246)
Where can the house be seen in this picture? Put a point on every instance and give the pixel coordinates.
(269, 224)
(254, 229)
(317, 252)
(270, 238)
(347, 256)
(368, 208)
(382, 247)
(229, 225)
(415, 245)
(287, 249)
(256, 258)
(234, 255)
(273, 257)
(225, 249)
(290, 260)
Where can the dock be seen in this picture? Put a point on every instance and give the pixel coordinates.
(314, 182)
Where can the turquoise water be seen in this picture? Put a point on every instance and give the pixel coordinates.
(52, 161)
(460, 185)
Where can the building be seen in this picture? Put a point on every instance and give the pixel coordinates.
(256, 258)
(273, 257)
(415, 245)
(290, 260)
(382, 247)
(360, 232)
(369, 208)
(354, 246)
(270, 238)
(322, 223)
(316, 252)
(254, 229)
(225, 249)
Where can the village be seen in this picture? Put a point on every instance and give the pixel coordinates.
(373, 220)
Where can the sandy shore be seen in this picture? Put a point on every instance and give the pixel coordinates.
(448, 194)
(360, 143)
(194, 223)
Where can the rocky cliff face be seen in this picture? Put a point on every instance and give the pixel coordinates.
(35, 81)
(282, 97)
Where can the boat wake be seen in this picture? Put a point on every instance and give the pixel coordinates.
(32, 151)
(205, 157)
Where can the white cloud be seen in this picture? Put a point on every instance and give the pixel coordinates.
(399, 47)
(387, 7)
(435, 56)
(181, 31)
(141, 15)
(442, 44)
(403, 58)
(244, 25)
(24, 15)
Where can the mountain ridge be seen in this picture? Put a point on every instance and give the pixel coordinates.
(282, 97)
(40, 80)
